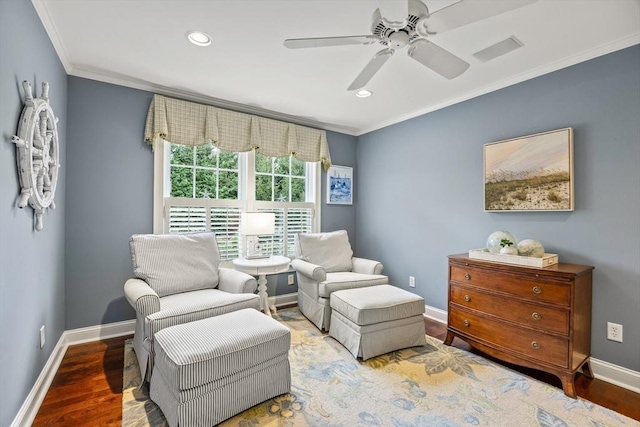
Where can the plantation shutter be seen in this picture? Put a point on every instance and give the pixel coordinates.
(289, 222)
(225, 223)
(205, 215)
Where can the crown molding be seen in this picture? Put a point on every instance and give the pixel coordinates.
(45, 17)
(600, 50)
(135, 83)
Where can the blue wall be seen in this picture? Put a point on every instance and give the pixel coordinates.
(110, 196)
(425, 175)
(31, 263)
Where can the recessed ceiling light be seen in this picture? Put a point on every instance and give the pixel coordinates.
(199, 38)
(363, 93)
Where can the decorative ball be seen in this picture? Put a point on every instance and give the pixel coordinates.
(509, 250)
(494, 240)
(530, 247)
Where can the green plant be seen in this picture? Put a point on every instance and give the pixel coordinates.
(505, 243)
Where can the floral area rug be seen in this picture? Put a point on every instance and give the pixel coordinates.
(430, 386)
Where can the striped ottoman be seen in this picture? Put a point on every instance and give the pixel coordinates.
(377, 320)
(212, 369)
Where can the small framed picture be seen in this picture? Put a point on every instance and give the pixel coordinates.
(340, 185)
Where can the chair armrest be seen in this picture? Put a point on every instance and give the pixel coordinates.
(366, 266)
(236, 282)
(309, 270)
(141, 297)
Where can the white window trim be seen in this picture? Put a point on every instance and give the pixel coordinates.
(162, 184)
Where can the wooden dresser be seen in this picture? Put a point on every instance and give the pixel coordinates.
(534, 317)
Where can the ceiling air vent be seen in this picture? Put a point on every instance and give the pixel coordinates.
(498, 49)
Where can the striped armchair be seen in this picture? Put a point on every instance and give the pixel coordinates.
(178, 280)
(324, 264)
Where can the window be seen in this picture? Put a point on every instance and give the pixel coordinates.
(203, 188)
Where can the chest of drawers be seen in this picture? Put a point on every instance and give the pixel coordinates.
(534, 317)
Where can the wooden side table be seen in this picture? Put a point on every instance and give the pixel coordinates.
(261, 267)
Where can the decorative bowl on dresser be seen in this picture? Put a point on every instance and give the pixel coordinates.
(534, 317)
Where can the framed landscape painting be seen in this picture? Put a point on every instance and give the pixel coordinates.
(530, 173)
(340, 185)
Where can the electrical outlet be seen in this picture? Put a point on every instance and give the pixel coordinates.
(614, 332)
(290, 280)
(412, 282)
(42, 336)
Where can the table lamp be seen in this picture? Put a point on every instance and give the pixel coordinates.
(254, 224)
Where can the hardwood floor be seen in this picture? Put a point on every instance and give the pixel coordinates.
(87, 389)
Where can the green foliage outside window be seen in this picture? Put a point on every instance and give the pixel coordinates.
(280, 179)
(205, 171)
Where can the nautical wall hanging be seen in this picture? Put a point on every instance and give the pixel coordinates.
(37, 157)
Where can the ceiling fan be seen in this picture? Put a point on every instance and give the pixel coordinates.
(413, 32)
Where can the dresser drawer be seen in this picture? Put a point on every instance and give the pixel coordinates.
(525, 313)
(528, 287)
(535, 345)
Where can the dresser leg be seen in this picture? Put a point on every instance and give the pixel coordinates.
(568, 385)
(449, 339)
(586, 369)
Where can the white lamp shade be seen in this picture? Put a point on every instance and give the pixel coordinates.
(257, 223)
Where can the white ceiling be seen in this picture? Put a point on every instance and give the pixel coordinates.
(142, 44)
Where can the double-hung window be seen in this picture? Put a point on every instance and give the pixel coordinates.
(202, 188)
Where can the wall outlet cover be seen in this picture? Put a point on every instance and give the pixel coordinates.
(614, 332)
(42, 336)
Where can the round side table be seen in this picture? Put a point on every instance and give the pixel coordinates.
(261, 267)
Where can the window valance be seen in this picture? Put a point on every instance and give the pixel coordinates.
(190, 123)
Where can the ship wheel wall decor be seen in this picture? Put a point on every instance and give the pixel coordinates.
(37, 153)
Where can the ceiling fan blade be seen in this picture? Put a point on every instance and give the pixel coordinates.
(371, 69)
(465, 12)
(329, 41)
(436, 58)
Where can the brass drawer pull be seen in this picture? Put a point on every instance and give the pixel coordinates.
(467, 276)
(537, 290)
(536, 316)
(466, 323)
(467, 298)
(535, 345)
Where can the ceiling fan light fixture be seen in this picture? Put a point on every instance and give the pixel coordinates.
(364, 93)
(199, 38)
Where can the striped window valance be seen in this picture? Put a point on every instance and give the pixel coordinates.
(190, 123)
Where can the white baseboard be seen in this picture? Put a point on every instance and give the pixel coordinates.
(286, 299)
(31, 405)
(605, 371)
(614, 374)
(436, 314)
(99, 332)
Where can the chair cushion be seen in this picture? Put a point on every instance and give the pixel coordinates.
(329, 250)
(349, 280)
(200, 352)
(376, 304)
(173, 263)
(196, 305)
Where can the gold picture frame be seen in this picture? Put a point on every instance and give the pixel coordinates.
(530, 173)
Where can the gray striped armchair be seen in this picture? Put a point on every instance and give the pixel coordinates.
(324, 264)
(178, 280)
